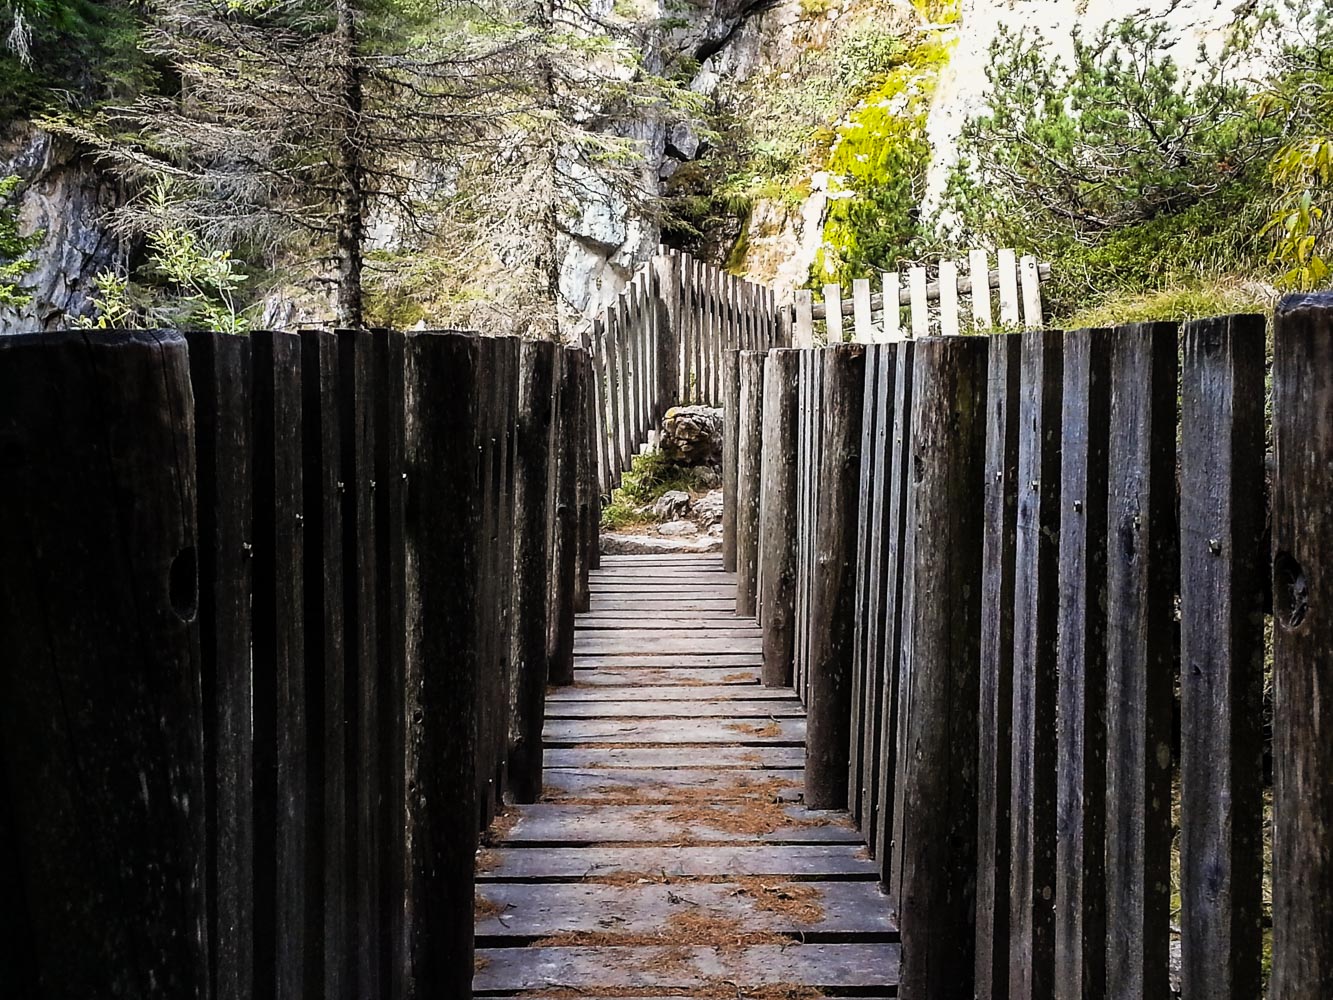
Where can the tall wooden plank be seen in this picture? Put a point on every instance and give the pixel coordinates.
(804, 336)
(361, 699)
(978, 265)
(1010, 318)
(936, 853)
(440, 694)
(1303, 669)
(602, 405)
(856, 762)
(286, 886)
(220, 380)
(896, 591)
(731, 413)
(995, 725)
(625, 368)
(916, 279)
(777, 529)
(1080, 868)
(322, 585)
(865, 324)
(1222, 600)
(1030, 279)
(833, 314)
(531, 569)
(492, 714)
(101, 723)
(717, 337)
(949, 325)
(565, 542)
(833, 578)
(893, 315)
(1035, 690)
(749, 445)
(1141, 585)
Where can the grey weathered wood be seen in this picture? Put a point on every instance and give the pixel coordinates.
(995, 740)
(1222, 598)
(858, 966)
(692, 708)
(286, 889)
(1080, 874)
(896, 589)
(440, 699)
(777, 529)
(565, 523)
(935, 853)
(1302, 597)
(697, 732)
(1035, 689)
(664, 643)
(220, 380)
(591, 783)
(322, 585)
(1141, 585)
(673, 660)
(560, 824)
(101, 732)
(695, 678)
(798, 862)
(833, 604)
(731, 409)
(676, 756)
(749, 457)
(966, 285)
(531, 576)
(665, 691)
(847, 910)
(360, 612)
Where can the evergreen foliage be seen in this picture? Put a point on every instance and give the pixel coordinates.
(15, 264)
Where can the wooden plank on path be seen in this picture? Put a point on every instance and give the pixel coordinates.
(668, 692)
(795, 861)
(667, 755)
(578, 732)
(629, 784)
(660, 660)
(763, 709)
(559, 824)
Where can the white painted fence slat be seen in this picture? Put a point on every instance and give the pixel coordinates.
(979, 271)
(893, 316)
(833, 310)
(949, 298)
(1009, 316)
(916, 278)
(804, 335)
(865, 324)
(1032, 311)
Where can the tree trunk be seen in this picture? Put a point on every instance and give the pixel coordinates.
(351, 180)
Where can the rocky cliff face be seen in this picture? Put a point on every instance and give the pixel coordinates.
(66, 197)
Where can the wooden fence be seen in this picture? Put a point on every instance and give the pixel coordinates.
(663, 343)
(277, 616)
(922, 306)
(1022, 584)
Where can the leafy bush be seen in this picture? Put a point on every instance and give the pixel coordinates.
(649, 477)
(15, 265)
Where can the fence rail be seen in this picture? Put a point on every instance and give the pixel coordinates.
(663, 343)
(923, 307)
(261, 684)
(1016, 561)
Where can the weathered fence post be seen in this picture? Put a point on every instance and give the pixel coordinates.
(1035, 689)
(1222, 600)
(1080, 848)
(935, 853)
(731, 415)
(564, 572)
(833, 598)
(101, 723)
(667, 263)
(1303, 664)
(777, 530)
(441, 689)
(220, 378)
(749, 456)
(531, 568)
(1142, 572)
(995, 725)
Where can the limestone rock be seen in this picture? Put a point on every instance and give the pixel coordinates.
(671, 506)
(639, 545)
(692, 435)
(678, 529)
(708, 510)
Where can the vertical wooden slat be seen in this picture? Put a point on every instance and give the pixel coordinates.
(1303, 669)
(936, 852)
(804, 336)
(949, 298)
(893, 316)
(916, 278)
(995, 727)
(1222, 600)
(749, 442)
(1080, 870)
(1141, 587)
(565, 523)
(833, 313)
(865, 325)
(833, 578)
(1031, 282)
(731, 410)
(978, 263)
(1009, 315)
(777, 530)
(865, 569)
(1035, 691)
(440, 696)
(600, 402)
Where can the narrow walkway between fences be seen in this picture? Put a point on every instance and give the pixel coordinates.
(670, 850)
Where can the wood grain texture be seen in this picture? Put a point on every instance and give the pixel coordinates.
(749, 455)
(777, 528)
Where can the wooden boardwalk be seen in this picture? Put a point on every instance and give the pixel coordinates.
(671, 855)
